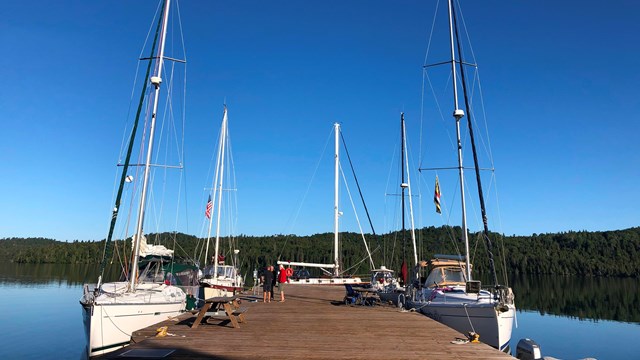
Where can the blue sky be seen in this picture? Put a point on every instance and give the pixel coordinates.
(559, 83)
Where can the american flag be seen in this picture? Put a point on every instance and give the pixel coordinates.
(207, 211)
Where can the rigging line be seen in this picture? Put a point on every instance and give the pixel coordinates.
(392, 224)
(184, 115)
(421, 121)
(167, 118)
(426, 55)
(433, 25)
(353, 206)
(114, 215)
(315, 171)
(184, 51)
(475, 156)
(466, 32)
(446, 221)
(485, 145)
(344, 144)
(233, 200)
(292, 221)
(135, 80)
(488, 147)
(346, 271)
(500, 227)
(439, 108)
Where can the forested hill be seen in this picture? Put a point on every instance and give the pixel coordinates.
(10, 247)
(607, 253)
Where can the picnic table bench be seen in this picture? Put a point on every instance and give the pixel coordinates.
(225, 308)
(361, 296)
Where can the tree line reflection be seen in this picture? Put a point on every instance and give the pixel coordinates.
(585, 298)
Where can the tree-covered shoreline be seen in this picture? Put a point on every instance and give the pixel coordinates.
(601, 253)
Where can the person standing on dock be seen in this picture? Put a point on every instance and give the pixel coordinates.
(273, 284)
(267, 285)
(282, 279)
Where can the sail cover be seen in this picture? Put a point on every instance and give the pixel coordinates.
(156, 250)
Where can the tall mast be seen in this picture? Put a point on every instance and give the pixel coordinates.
(459, 114)
(487, 239)
(408, 186)
(155, 80)
(336, 211)
(214, 184)
(402, 186)
(223, 142)
(125, 166)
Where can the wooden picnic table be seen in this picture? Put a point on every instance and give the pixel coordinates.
(368, 295)
(225, 308)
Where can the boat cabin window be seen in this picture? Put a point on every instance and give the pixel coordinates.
(445, 276)
(223, 271)
(151, 271)
(382, 277)
(226, 271)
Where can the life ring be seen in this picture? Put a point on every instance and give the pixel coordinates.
(289, 271)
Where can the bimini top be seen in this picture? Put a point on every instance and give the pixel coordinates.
(446, 270)
(449, 257)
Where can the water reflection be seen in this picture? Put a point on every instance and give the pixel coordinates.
(585, 298)
(41, 274)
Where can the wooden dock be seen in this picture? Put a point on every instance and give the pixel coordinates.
(313, 323)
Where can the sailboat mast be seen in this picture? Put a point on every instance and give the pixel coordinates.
(336, 211)
(214, 187)
(492, 266)
(408, 186)
(402, 186)
(459, 114)
(223, 142)
(155, 80)
(125, 166)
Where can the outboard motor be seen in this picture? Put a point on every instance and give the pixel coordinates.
(528, 349)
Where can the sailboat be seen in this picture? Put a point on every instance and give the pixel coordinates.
(112, 311)
(449, 294)
(383, 279)
(219, 278)
(333, 270)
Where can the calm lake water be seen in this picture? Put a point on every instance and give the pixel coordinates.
(571, 318)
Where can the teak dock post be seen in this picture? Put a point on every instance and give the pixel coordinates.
(313, 323)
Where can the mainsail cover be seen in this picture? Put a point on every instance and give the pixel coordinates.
(156, 250)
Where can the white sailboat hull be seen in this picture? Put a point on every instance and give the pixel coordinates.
(111, 317)
(470, 313)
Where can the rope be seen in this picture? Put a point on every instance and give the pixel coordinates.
(469, 318)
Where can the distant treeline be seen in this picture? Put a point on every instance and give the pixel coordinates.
(607, 253)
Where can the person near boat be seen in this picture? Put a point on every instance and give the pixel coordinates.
(267, 284)
(283, 277)
(274, 271)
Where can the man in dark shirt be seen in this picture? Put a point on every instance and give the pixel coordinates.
(267, 285)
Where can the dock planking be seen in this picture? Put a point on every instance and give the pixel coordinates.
(313, 323)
